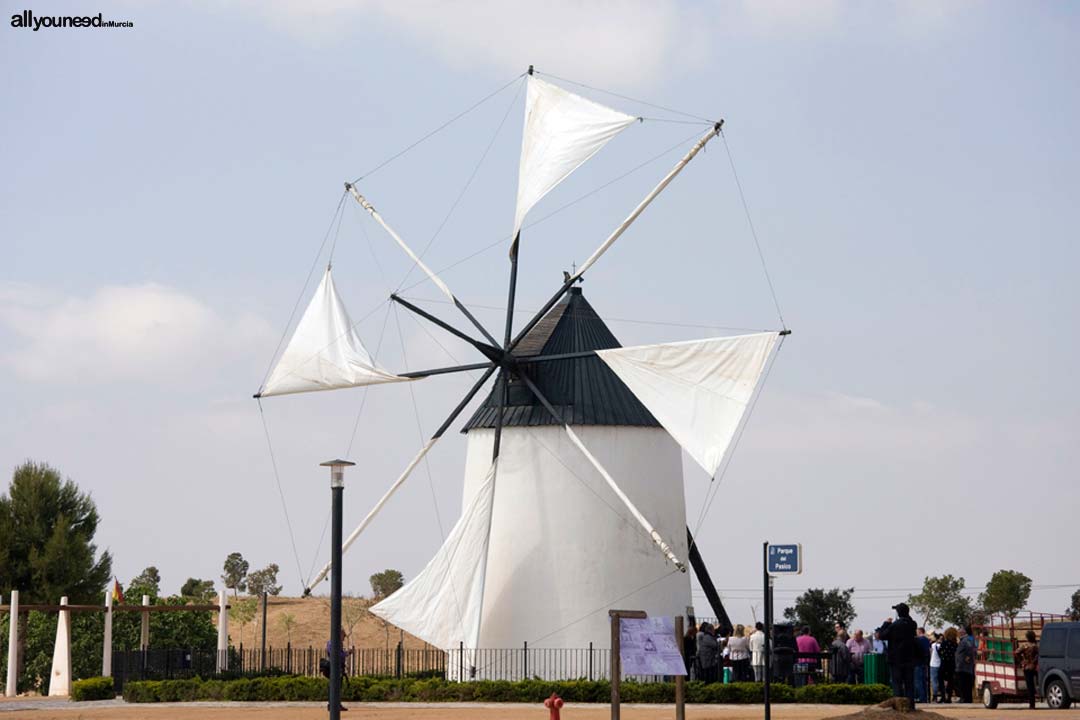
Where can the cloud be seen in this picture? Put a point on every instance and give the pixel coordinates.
(141, 333)
(623, 44)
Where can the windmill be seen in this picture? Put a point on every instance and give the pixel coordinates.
(573, 474)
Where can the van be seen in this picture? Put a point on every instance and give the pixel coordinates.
(1059, 663)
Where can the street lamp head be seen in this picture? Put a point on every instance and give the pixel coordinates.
(337, 471)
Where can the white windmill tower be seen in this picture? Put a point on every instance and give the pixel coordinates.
(573, 499)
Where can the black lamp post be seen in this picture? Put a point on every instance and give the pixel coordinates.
(337, 487)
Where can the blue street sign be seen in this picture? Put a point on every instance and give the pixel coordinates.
(784, 559)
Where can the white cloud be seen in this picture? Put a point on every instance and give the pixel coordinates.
(145, 332)
(623, 44)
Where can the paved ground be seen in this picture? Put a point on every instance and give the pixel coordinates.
(46, 709)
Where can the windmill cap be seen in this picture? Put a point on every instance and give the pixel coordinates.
(901, 609)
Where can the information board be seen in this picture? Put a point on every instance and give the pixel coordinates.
(647, 647)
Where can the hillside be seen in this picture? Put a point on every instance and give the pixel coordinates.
(312, 623)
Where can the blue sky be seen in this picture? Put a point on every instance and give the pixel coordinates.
(911, 170)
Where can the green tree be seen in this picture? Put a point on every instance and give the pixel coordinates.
(236, 568)
(243, 612)
(287, 621)
(264, 581)
(942, 601)
(1073, 611)
(47, 529)
(1007, 592)
(47, 532)
(386, 583)
(198, 589)
(821, 610)
(148, 582)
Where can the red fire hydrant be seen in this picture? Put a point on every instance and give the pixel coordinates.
(553, 704)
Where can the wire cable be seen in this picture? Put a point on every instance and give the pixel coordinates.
(437, 130)
(281, 494)
(753, 230)
(627, 97)
(465, 188)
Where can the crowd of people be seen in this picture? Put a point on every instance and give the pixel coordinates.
(923, 668)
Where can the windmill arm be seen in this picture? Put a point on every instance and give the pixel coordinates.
(404, 475)
(416, 259)
(713, 132)
(642, 520)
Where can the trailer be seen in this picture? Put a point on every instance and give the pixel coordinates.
(998, 675)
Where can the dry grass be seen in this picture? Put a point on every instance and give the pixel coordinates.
(311, 616)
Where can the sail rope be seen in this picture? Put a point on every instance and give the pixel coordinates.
(561, 208)
(465, 187)
(437, 130)
(303, 290)
(718, 478)
(699, 118)
(753, 230)
(281, 492)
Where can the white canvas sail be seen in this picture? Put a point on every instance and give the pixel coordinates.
(562, 131)
(324, 353)
(442, 604)
(699, 390)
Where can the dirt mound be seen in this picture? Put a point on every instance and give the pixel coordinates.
(891, 709)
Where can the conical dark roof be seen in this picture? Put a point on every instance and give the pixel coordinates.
(584, 390)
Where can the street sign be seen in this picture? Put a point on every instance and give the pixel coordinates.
(784, 559)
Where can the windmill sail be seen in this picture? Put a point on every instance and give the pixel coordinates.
(442, 604)
(562, 131)
(324, 353)
(699, 390)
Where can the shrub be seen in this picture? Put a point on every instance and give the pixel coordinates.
(97, 688)
(368, 689)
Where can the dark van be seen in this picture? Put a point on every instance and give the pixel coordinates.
(1059, 663)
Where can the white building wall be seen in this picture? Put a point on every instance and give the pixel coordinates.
(564, 549)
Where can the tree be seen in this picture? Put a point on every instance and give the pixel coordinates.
(47, 532)
(941, 601)
(1073, 611)
(287, 622)
(264, 581)
(236, 568)
(197, 589)
(821, 610)
(1007, 592)
(148, 582)
(242, 612)
(386, 583)
(47, 529)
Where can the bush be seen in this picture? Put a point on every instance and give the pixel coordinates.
(368, 689)
(98, 688)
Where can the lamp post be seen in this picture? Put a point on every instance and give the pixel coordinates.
(337, 487)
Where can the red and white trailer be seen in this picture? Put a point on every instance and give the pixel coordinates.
(998, 675)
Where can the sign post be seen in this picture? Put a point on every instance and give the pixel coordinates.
(776, 560)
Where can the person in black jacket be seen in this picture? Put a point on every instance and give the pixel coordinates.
(900, 636)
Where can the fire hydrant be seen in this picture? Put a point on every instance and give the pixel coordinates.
(553, 704)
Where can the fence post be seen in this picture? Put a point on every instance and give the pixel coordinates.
(461, 661)
(397, 660)
(525, 674)
(590, 660)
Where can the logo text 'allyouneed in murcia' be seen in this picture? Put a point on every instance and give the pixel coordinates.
(27, 19)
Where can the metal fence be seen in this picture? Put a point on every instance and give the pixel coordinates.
(395, 662)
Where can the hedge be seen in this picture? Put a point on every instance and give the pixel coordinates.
(365, 689)
(98, 688)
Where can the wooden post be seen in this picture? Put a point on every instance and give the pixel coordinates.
(680, 680)
(616, 663)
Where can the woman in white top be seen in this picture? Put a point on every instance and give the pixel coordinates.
(738, 647)
(935, 667)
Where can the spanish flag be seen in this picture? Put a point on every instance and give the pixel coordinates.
(117, 593)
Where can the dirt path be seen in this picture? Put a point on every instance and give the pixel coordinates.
(44, 709)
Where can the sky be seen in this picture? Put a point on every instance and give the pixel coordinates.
(910, 170)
